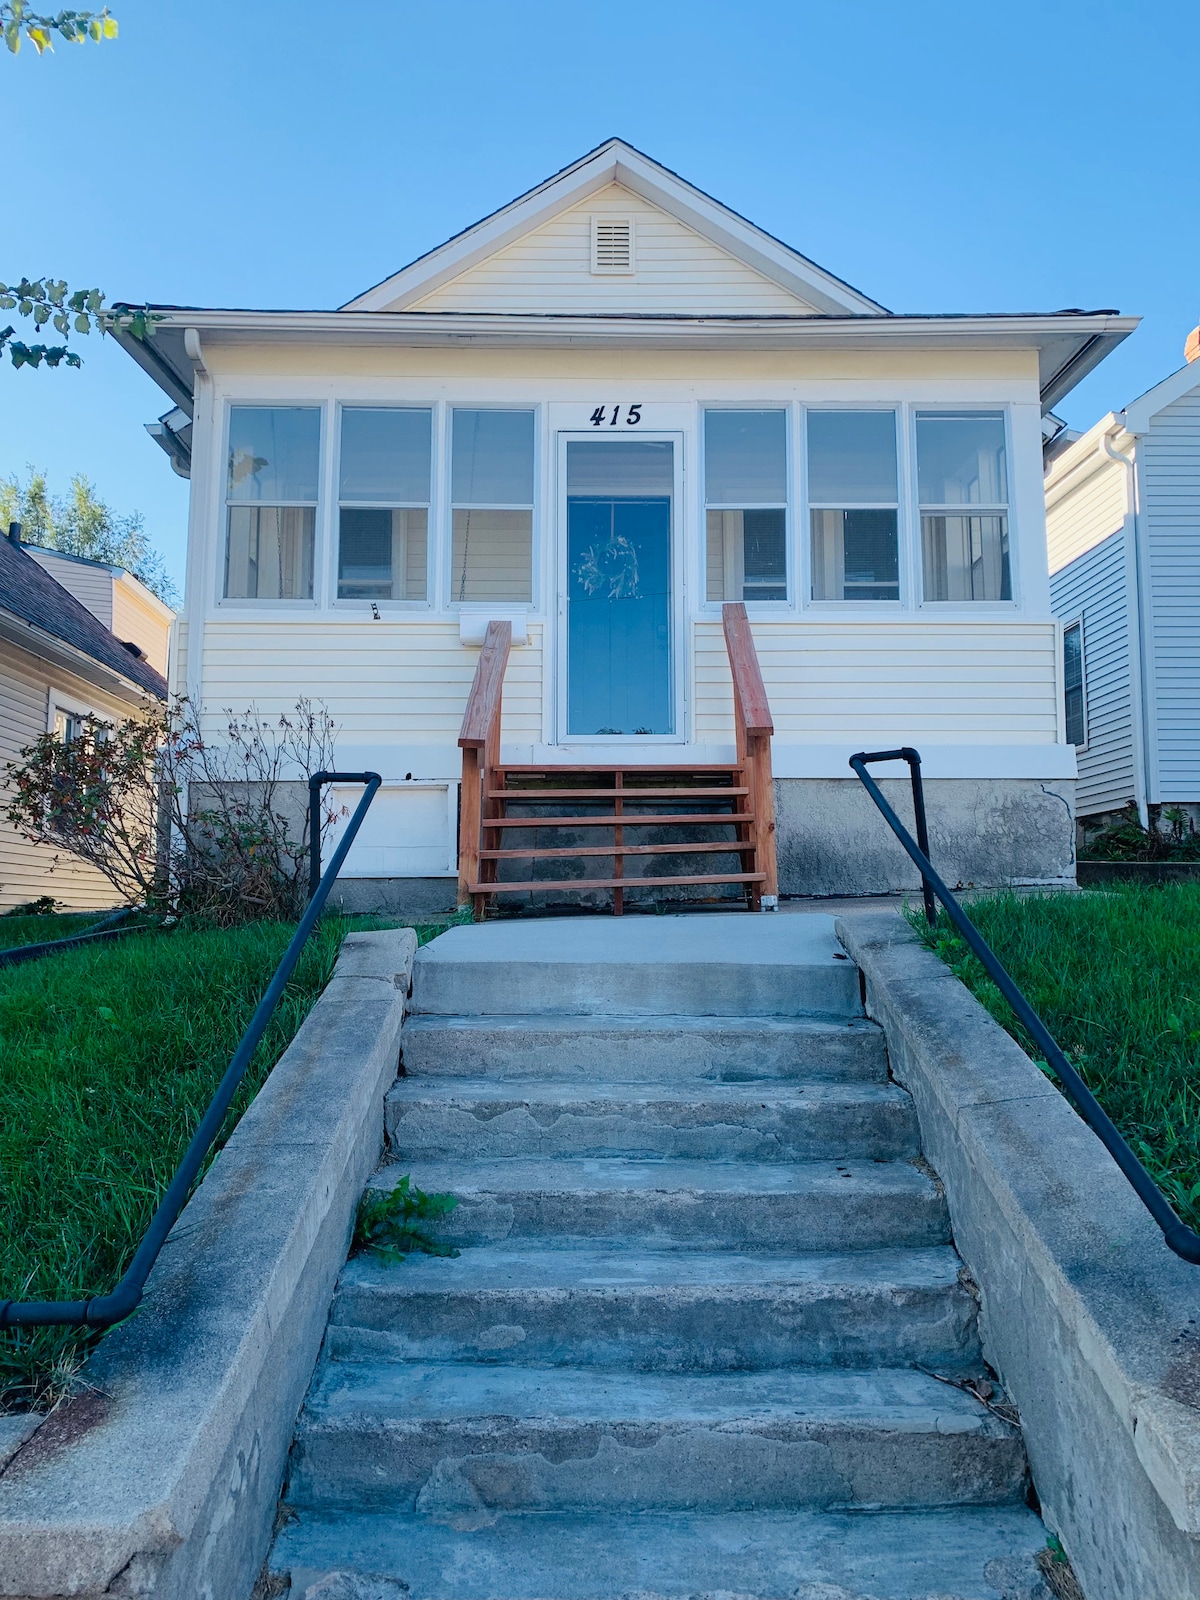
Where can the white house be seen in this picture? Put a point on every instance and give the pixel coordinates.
(601, 413)
(1123, 524)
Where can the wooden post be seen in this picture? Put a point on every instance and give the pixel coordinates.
(479, 739)
(754, 725)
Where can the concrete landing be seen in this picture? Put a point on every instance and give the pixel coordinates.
(707, 965)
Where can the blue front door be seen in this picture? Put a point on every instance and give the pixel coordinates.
(619, 591)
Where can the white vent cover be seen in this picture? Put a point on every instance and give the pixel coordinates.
(612, 244)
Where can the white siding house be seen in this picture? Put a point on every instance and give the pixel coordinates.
(1123, 527)
(602, 413)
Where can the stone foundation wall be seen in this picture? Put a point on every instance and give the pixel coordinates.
(983, 833)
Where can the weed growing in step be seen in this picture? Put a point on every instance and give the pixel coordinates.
(387, 1221)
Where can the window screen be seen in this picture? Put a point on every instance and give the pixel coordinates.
(853, 500)
(383, 521)
(271, 493)
(962, 477)
(492, 512)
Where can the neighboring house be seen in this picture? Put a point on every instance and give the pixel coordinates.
(1123, 528)
(601, 412)
(116, 598)
(58, 664)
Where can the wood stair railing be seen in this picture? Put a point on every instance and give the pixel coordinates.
(617, 798)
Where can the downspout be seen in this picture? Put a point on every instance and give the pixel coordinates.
(1134, 614)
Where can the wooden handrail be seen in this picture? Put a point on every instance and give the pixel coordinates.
(749, 693)
(754, 726)
(483, 703)
(479, 738)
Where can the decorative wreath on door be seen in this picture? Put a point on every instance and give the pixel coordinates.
(612, 565)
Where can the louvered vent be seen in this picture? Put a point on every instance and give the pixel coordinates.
(612, 244)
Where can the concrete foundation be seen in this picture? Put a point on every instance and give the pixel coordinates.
(983, 833)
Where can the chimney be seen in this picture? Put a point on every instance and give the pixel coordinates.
(14, 533)
(1191, 350)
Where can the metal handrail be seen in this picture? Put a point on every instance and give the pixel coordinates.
(1184, 1241)
(102, 1311)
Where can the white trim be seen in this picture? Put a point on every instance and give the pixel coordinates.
(1138, 416)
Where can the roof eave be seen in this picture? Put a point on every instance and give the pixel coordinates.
(28, 636)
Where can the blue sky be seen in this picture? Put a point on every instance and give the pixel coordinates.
(942, 157)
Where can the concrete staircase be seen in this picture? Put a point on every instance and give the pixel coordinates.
(703, 1270)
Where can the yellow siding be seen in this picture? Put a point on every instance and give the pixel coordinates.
(891, 682)
(550, 270)
(133, 618)
(27, 870)
(383, 682)
(1092, 508)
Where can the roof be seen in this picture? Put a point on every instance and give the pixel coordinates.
(830, 312)
(29, 593)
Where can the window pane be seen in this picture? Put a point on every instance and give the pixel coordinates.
(385, 456)
(493, 458)
(855, 555)
(747, 555)
(745, 458)
(851, 457)
(274, 452)
(620, 468)
(492, 555)
(269, 553)
(1073, 685)
(960, 459)
(382, 554)
(965, 558)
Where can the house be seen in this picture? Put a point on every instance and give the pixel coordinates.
(1123, 529)
(602, 414)
(115, 598)
(58, 665)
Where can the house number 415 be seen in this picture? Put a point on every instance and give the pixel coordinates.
(633, 415)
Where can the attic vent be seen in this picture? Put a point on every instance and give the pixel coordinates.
(612, 244)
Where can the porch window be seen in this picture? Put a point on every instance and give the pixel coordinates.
(1074, 690)
(383, 525)
(963, 484)
(853, 505)
(745, 492)
(271, 499)
(491, 491)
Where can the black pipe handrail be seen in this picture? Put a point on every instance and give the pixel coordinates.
(111, 927)
(102, 1311)
(1184, 1241)
(315, 784)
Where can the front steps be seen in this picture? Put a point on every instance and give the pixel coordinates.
(689, 1348)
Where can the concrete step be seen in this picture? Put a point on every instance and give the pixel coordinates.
(605, 1304)
(702, 965)
(966, 1554)
(659, 1049)
(855, 1205)
(475, 1118)
(454, 1438)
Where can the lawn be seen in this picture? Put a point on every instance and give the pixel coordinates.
(1116, 978)
(36, 930)
(108, 1058)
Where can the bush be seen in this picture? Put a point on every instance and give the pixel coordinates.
(175, 822)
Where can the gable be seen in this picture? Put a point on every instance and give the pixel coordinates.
(675, 270)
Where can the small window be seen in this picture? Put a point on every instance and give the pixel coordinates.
(963, 484)
(68, 725)
(492, 505)
(271, 496)
(383, 521)
(745, 492)
(612, 244)
(1074, 690)
(853, 505)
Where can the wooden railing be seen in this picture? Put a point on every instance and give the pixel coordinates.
(479, 740)
(754, 726)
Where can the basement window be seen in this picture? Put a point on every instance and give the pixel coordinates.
(612, 245)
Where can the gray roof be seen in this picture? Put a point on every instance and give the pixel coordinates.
(29, 592)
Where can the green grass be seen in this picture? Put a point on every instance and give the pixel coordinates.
(1116, 978)
(108, 1057)
(35, 930)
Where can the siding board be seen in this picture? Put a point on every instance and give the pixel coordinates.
(1170, 460)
